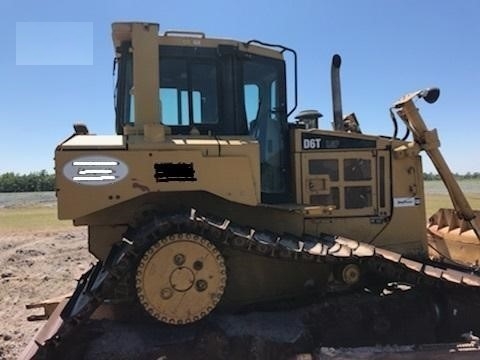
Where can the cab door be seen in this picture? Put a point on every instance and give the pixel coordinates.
(265, 107)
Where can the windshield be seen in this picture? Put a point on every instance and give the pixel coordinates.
(188, 92)
(200, 87)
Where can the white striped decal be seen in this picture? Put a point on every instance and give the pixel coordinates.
(95, 170)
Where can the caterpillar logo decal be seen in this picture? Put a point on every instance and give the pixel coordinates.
(95, 170)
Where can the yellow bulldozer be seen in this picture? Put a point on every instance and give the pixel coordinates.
(214, 197)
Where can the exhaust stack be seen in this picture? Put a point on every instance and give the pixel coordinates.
(336, 93)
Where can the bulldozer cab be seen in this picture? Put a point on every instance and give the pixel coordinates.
(218, 89)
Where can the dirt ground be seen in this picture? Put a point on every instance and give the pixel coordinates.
(35, 266)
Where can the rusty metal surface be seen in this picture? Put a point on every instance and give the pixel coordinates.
(452, 238)
(446, 223)
(45, 333)
(48, 307)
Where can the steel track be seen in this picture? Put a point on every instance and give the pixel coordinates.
(98, 282)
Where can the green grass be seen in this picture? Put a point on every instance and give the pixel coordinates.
(31, 218)
(37, 218)
(437, 201)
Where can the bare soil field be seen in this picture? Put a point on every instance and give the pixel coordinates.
(38, 262)
(35, 266)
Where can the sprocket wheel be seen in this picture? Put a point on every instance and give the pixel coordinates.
(180, 278)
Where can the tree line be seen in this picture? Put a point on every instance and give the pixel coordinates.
(34, 181)
(43, 181)
(467, 176)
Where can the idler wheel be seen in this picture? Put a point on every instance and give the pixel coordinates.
(351, 274)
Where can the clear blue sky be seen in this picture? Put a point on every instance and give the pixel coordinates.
(388, 48)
